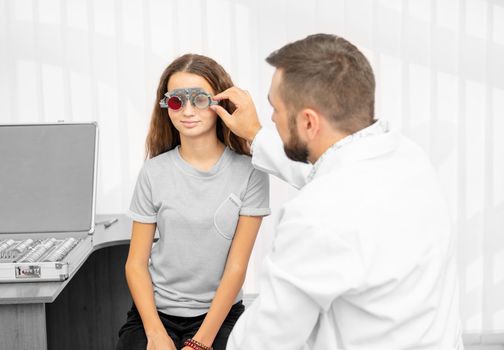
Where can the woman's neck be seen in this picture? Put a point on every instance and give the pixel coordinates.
(202, 153)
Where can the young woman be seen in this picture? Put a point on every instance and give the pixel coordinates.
(198, 188)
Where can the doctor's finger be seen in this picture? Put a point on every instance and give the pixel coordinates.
(234, 94)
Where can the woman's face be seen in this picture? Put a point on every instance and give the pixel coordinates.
(189, 120)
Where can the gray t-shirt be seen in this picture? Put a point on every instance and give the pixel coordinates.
(196, 214)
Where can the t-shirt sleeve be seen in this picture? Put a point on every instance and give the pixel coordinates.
(142, 208)
(256, 199)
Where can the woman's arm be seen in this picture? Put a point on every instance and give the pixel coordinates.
(232, 279)
(140, 285)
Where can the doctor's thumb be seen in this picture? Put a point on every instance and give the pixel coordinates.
(222, 113)
(239, 126)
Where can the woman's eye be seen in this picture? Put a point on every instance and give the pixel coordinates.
(201, 101)
(175, 103)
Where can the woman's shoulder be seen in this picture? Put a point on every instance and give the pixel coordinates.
(159, 161)
(240, 160)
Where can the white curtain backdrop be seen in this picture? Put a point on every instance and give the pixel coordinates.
(440, 79)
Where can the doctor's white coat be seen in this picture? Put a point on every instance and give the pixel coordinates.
(363, 257)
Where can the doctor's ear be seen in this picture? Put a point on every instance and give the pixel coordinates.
(309, 123)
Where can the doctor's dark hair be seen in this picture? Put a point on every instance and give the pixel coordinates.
(328, 74)
(162, 135)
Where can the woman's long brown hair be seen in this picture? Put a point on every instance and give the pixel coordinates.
(163, 136)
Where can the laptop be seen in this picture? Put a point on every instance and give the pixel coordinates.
(47, 199)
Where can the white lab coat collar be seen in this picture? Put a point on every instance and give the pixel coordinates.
(367, 143)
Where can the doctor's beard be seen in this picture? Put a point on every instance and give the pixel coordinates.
(295, 149)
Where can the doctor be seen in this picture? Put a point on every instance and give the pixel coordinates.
(364, 255)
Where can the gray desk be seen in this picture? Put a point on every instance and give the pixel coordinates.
(84, 311)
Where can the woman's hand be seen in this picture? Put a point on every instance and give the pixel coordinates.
(160, 341)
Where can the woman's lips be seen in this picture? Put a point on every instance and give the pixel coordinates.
(189, 124)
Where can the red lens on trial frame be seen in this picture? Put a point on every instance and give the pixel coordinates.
(174, 103)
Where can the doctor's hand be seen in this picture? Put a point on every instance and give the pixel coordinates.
(244, 121)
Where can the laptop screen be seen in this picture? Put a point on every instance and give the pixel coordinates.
(47, 177)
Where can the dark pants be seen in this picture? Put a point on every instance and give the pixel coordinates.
(132, 334)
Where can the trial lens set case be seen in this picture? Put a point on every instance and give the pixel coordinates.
(47, 199)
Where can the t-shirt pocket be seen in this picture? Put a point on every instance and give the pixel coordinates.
(226, 216)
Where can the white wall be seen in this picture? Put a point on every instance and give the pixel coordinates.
(439, 68)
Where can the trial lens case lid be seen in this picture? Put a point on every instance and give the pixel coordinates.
(48, 177)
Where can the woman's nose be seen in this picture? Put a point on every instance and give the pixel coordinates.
(188, 109)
